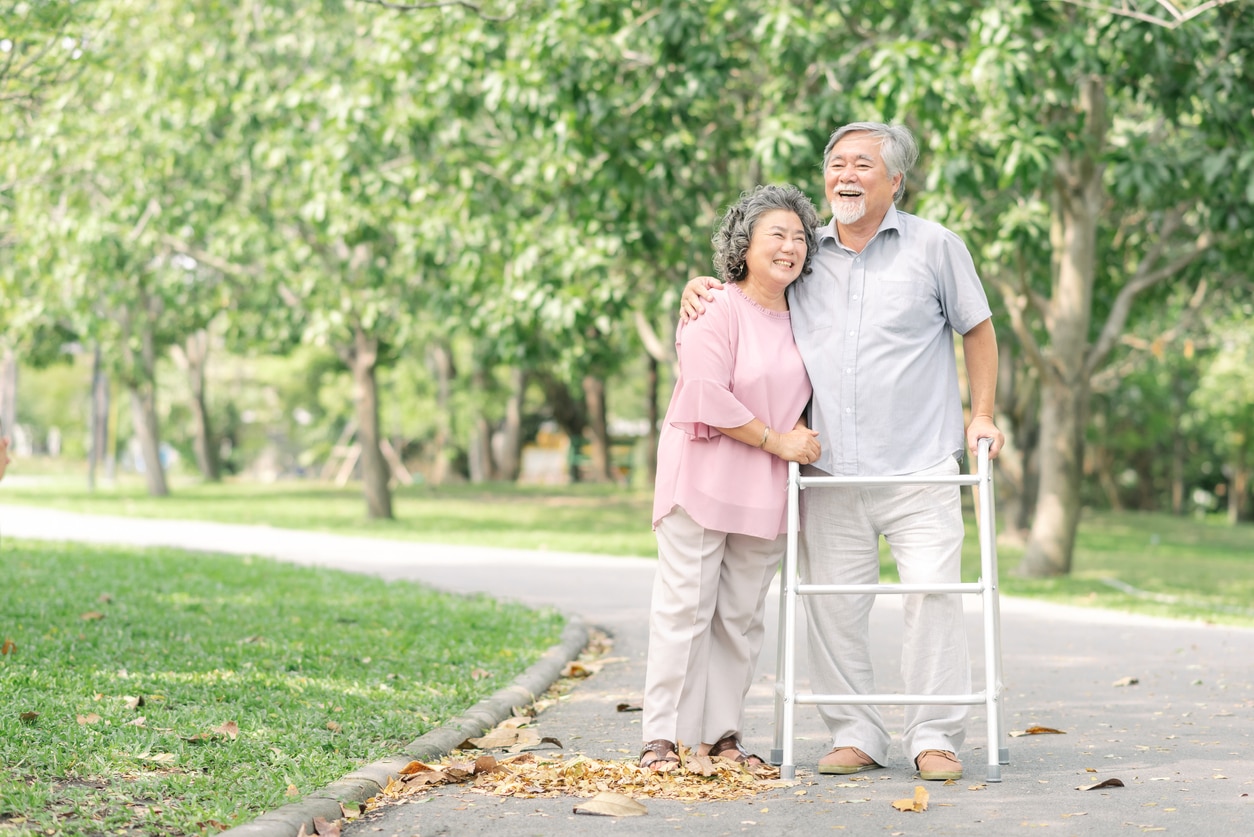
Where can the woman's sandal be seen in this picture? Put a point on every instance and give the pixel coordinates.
(665, 757)
(730, 748)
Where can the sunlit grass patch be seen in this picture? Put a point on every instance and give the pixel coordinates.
(174, 693)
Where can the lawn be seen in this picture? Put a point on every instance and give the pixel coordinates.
(164, 693)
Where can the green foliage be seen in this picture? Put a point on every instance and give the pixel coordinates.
(322, 671)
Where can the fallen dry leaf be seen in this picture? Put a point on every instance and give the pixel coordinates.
(291, 791)
(1109, 783)
(89, 718)
(230, 729)
(326, 828)
(28, 717)
(1126, 681)
(133, 702)
(137, 722)
(479, 674)
(1037, 730)
(8, 647)
(333, 726)
(916, 805)
(91, 616)
(612, 805)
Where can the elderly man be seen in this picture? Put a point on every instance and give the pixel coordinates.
(875, 325)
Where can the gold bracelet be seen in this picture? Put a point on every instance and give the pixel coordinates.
(765, 434)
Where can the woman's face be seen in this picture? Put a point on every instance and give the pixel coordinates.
(777, 248)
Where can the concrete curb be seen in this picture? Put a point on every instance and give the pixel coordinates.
(368, 780)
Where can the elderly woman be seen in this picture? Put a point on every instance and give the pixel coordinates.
(735, 420)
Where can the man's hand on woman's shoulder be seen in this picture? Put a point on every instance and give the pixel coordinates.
(697, 290)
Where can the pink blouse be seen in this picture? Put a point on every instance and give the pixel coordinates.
(737, 361)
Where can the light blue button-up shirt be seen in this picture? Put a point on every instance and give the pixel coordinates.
(876, 330)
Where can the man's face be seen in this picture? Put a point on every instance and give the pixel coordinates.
(856, 181)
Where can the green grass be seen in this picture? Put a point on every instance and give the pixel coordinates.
(321, 670)
(1178, 567)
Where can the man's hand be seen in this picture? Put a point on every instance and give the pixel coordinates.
(982, 427)
(698, 289)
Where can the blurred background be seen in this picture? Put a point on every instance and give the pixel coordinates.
(388, 244)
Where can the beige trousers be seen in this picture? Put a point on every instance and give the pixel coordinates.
(841, 527)
(705, 629)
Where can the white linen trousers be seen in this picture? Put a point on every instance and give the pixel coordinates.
(705, 629)
(841, 527)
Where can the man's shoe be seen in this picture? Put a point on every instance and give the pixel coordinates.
(938, 766)
(845, 760)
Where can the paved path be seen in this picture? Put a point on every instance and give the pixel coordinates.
(1179, 739)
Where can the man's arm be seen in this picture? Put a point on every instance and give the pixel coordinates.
(979, 349)
(698, 289)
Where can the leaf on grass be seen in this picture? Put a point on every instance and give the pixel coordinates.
(479, 674)
(1037, 730)
(1109, 783)
(133, 702)
(916, 805)
(8, 647)
(91, 616)
(89, 718)
(28, 717)
(137, 722)
(333, 726)
(612, 805)
(230, 729)
(1126, 681)
(161, 758)
(631, 707)
(291, 791)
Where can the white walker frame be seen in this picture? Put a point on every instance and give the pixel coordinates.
(786, 697)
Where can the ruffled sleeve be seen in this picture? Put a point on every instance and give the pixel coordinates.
(704, 398)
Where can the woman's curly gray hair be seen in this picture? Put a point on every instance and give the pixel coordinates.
(735, 230)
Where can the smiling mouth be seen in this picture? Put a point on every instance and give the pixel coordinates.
(849, 194)
(785, 263)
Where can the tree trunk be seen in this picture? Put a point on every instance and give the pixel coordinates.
(144, 417)
(441, 360)
(193, 359)
(8, 394)
(481, 466)
(363, 360)
(98, 422)
(509, 452)
(655, 418)
(1239, 485)
(141, 382)
(1077, 200)
(598, 430)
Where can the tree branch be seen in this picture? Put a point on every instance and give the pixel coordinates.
(436, 4)
(1175, 15)
(1122, 306)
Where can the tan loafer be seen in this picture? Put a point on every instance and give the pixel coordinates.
(938, 765)
(845, 760)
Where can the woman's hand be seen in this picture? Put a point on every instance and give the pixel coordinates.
(798, 445)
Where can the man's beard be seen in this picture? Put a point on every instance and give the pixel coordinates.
(846, 212)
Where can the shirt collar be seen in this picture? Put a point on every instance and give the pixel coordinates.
(892, 221)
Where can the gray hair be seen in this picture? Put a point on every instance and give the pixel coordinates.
(735, 230)
(897, 147)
